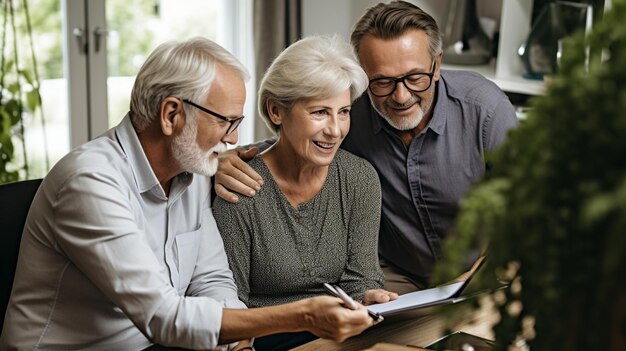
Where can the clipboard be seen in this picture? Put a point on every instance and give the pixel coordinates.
(441, 295)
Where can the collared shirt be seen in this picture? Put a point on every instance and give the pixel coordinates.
(109, 262)
(422, 184)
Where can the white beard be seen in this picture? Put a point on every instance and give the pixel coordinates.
(407, 123)
(189, 155)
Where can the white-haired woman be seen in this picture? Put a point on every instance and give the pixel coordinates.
(316, 219)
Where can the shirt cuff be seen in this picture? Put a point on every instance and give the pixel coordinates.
(233, 303)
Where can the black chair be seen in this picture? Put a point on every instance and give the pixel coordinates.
(15, 200)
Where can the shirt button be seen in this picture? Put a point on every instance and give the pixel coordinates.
(312, 273)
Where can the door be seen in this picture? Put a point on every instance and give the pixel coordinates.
(88, 52)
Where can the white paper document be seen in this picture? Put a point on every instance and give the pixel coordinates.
(422, 298)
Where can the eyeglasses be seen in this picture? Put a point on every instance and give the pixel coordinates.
(415, 82)
(234, 122)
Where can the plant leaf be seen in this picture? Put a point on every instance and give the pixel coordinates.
(32, 100)
(26, 74)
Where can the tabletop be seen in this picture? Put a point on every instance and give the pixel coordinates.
(414, 329)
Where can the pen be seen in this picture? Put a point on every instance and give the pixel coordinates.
(348, 301)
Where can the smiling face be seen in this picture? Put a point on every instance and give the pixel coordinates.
(313, 129)
(406, 54)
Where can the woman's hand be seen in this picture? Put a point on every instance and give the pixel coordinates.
(378, 296)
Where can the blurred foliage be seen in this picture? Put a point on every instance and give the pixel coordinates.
(32, 51)
(46, 24)
(553, 211)
(124, 17)
(19, 84)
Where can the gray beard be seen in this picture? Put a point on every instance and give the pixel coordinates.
(410, 126)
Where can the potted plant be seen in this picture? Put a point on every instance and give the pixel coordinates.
(553, 210)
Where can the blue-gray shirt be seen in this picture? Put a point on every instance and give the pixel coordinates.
(422, 184)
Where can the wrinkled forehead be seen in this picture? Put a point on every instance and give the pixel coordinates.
(382, 57)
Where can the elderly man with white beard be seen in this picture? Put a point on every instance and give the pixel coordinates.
(120, 250)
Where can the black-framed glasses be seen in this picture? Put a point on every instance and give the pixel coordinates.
(415, 82)
(234, 122)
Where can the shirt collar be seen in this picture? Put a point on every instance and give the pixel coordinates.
(438, 121)
(145, 179)
(440, 111)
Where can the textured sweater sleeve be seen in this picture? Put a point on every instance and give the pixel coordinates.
(362, 271)
(233, 222)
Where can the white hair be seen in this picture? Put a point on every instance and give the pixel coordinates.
(184, 70)
(316, 67)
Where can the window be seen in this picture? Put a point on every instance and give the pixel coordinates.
(88, 52)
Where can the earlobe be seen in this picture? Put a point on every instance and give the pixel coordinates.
(438, 69)
(274, 112)
(170, 115)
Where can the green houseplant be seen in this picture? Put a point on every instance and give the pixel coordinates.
(553, 211)
(19, 86)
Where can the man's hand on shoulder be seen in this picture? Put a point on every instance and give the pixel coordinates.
(234, 174)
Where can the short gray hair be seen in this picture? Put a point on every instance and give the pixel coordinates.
(390, 21)
(316, 67)
(181, 69)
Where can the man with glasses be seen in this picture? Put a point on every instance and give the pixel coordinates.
(233, 123)
(429, 146)
(120, 249)
(426, 131)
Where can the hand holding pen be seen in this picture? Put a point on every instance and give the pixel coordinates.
(348, 301)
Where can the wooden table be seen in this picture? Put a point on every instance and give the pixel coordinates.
(415, 328)
(383, 346)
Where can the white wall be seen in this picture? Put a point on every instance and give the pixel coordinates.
(338, 16)
(326, 17)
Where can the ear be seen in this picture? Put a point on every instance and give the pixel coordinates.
(437, 74)
(171, 116)
(275, 112)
